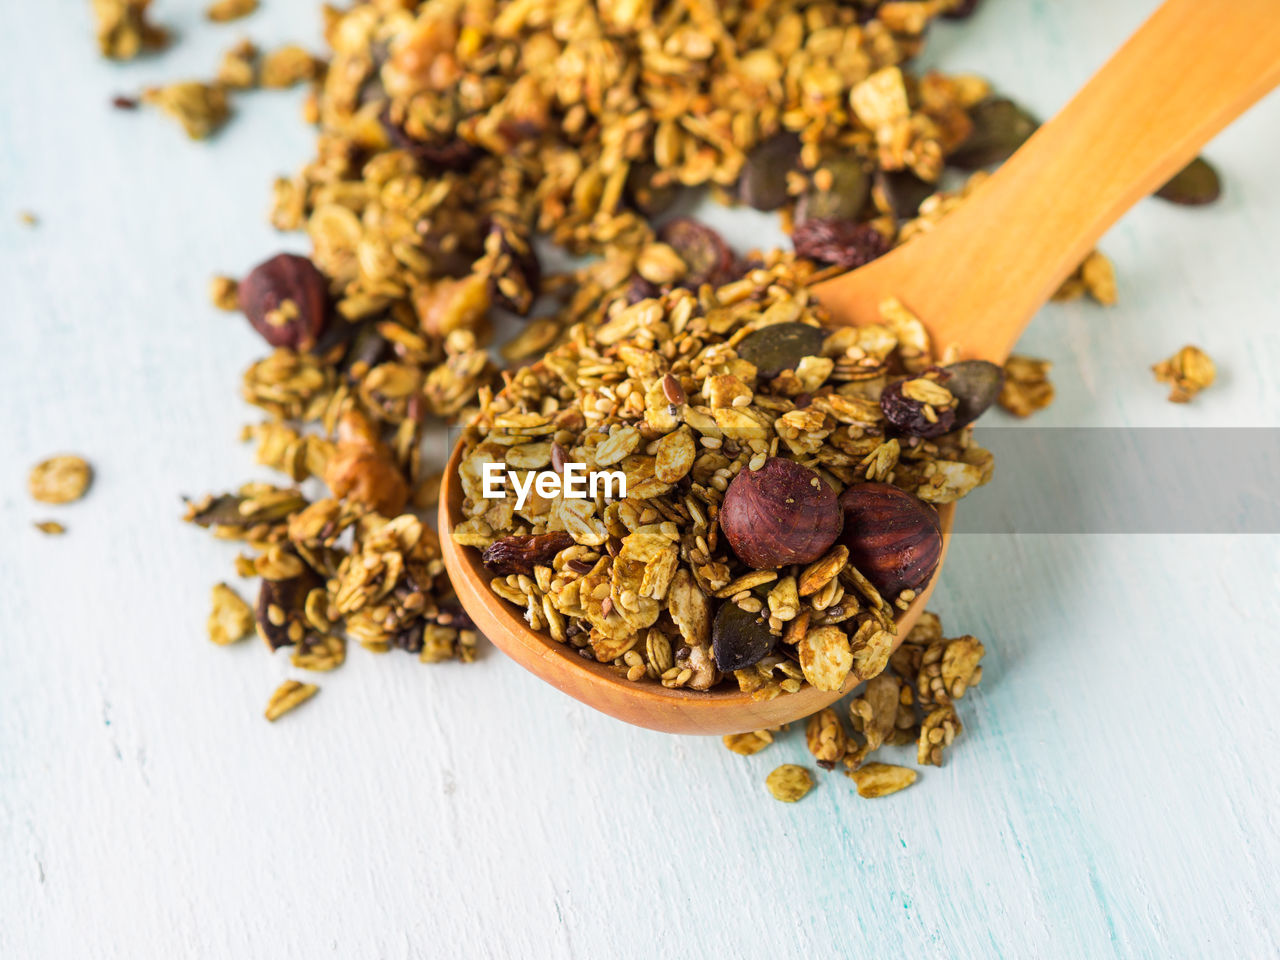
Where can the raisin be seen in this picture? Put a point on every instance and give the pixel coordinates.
(519, 554)
(283, 601)
(707, 257)
(739, 638)
(516, 279)
(908, 415)
(432, 156)
(840, 243)
(287, 301)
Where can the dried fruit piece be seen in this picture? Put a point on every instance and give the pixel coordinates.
(789, 783)
(1000, 127)
(845, 184)
(520, 554)
(839, 243)
(740, 638)
(287, 301)
(1187, 372)
(432, 156)
(782, 513)
(230, 619)
(881, 779)
(763, 182)
(975, 384)
(915, 415)
(707, 257)
(288, 696)
(1194, 185)
(748, 744)
(781, 346)
(281, 611)
(513, 267)
(894, 539)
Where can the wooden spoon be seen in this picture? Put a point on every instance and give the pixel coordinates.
(975, 281)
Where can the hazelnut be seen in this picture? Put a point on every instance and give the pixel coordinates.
(893, 537)
(782, 513)
(363, 469)
(287, 301)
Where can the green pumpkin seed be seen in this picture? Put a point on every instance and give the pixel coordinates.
(1193, 186)
(975, 384)
(1000, 127)
(763, 184)
(850, 185)
(781, 346)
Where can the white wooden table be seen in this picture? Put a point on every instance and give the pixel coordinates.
(1114, 793)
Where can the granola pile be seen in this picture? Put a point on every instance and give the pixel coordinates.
(912, 702)
(693, 396)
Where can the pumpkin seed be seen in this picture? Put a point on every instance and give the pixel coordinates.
(1193, 186)
(781, 346)
(763, 184)
(850, 185)
(1000, 127)
(975, 384)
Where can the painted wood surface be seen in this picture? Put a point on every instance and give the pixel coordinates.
(1113, 793)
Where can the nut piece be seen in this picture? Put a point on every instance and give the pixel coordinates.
(881, 779)
(1187, 372)
(789, 783)
(363, 470)
(59, 479)
(782, 513)
(230, 619)
(894, 539)
(288, 695)
(287, 300)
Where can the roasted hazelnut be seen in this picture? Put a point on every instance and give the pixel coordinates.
(894, 538)
(287, 301)
(363, 469)
(782, 513)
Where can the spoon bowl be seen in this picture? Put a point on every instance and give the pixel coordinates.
(645, 703)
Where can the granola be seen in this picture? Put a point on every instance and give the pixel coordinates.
(1026, 385)
(1187, 372)
(789, 783)
(288, 696)
(62, 479)
(124, 30)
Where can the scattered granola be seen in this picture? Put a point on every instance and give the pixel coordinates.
(287, 696)
(912, 702)
(124, 30)
(789, 783)
(231, 619)
(288, 66)
(224, 293)
(1026, 385)
(238, 69)
(50, 528)
(201, 108)
(61, 479)
(220, 11)
(27, 218)
(1187, 372)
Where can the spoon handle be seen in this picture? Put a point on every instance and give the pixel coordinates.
(1189, 70)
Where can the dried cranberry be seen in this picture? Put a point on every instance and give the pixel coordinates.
(519, 554)
(908, 415)
(638, 288)
(706, 256)
(840, 243)
(287, 300)
(284, 601)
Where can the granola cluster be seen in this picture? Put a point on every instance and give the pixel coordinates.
(662, 390)
(913, 702)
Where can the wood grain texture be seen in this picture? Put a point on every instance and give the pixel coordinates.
(1112, 796)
